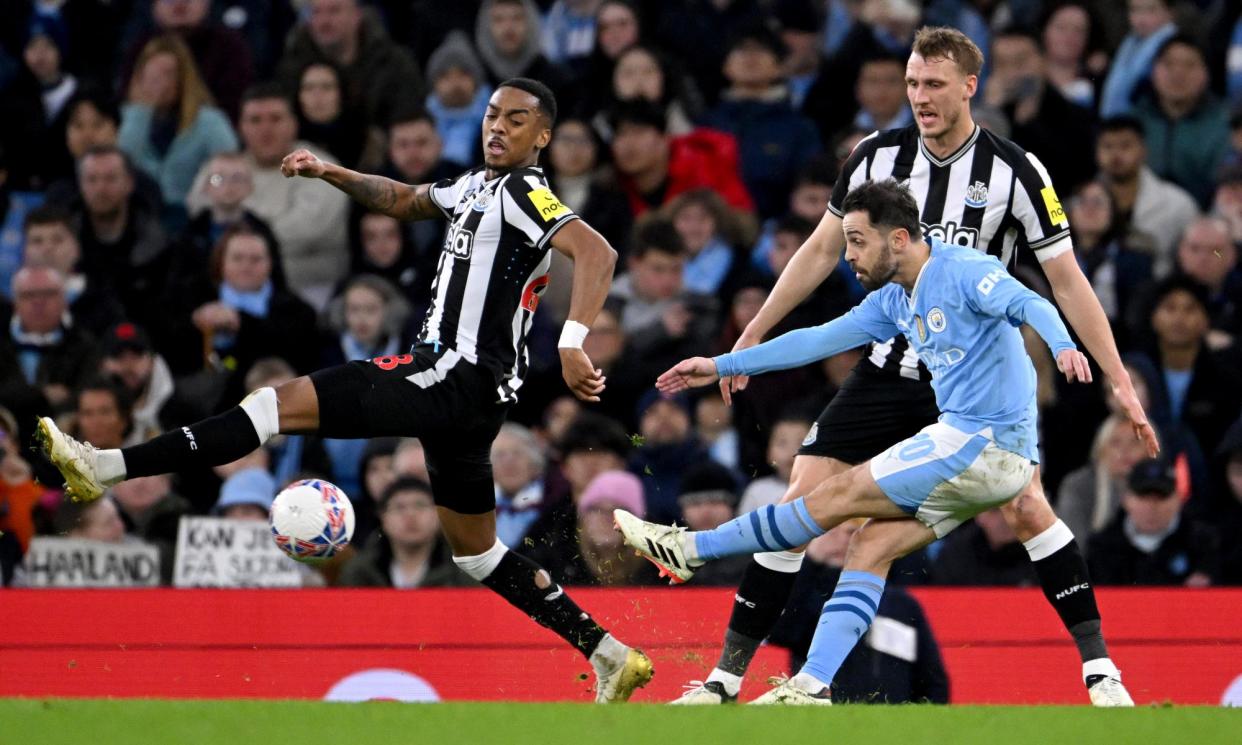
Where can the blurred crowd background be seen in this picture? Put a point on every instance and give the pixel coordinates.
(155, 266)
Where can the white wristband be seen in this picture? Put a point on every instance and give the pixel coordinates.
(572, 335)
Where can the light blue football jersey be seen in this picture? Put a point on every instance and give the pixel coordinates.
(961, 319)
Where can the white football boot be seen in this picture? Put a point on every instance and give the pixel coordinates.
(75, 460)
(788, 693)
(1109, 692)
(704, 693)
(659, 544)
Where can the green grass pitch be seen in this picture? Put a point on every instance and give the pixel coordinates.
(116, 722)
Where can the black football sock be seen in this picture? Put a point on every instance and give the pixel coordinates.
(760, 600)
(530, 588)
(1065, 582)
(212, 442)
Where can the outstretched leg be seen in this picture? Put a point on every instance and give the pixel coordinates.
(1063, 576)
(528, 587)
(849, 612)
(293, 407)
(761, 595)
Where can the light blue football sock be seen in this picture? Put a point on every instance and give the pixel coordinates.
(844, 619)
(771, 528)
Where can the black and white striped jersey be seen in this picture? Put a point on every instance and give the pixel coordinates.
(989, 194)
(492, 270)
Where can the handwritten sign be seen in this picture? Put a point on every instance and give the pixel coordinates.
(75, 562)
(215, 552)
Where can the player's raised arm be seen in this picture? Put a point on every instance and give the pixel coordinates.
(864, 323)
(594, 261)
(376, 193)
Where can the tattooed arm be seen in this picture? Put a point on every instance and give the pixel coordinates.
(376, 193)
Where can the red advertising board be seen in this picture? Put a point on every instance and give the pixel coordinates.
(1000, 645)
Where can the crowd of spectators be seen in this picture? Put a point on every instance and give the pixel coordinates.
(155, 266)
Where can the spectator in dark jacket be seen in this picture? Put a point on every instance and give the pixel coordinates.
(668, 449)
(408, 551)
(33, 109)
(123, 243)
(243, 313)
(1198, 383)
(42, 358)
(1152, 542)
(708, 498)
(897, 662)
(383, 72)
(1044, 121)
(775, 141)
(51, 242)
(1187, 126)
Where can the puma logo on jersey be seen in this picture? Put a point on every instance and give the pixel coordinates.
(952, 234)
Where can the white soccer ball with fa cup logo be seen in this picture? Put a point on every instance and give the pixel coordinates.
(312, 520)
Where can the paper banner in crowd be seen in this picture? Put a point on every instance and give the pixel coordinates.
(75, 562)
(215, 552)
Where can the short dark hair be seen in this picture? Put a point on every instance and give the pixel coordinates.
(1184, 39)
(1020, 32)
(403, 484)
(886, 203)
(638, 111)
(411, 116)
(47, 214)
(656, 234)
(1180, 283)
(593, 432)
(265, 91)
(1123, 123)
(819, 170)
(96, 151)
(791, 223)
(99, 99)
(547, 99)
(883, 56)
(112, 386)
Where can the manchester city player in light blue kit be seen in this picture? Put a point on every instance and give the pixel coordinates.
(960, 310)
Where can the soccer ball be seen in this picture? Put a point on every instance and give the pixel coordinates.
(312, 520)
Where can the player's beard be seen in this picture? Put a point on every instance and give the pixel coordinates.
(881, 273)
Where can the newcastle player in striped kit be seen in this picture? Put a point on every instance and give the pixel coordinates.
(973, 189)
(455, 386)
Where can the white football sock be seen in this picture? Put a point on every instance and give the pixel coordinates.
(609, 654)
(109, 466)
(732, 683)
(1100, 666)
(808, 683)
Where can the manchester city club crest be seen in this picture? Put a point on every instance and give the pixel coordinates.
(977, 194)
(811, 435)
(936, 320)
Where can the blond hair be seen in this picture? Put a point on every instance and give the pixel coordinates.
(943, 42)
(192, 93)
